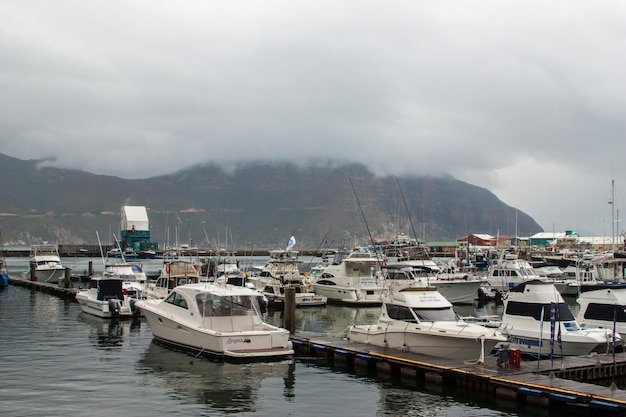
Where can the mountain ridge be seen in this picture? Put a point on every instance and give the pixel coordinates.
(254, 204)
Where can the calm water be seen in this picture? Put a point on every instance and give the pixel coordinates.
(58, 361)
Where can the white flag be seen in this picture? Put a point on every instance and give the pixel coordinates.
(292, 243)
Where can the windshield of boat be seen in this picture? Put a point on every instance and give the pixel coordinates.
(212, 305)
(407, 314)
(435, 314)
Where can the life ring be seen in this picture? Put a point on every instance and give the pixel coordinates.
(167, 268)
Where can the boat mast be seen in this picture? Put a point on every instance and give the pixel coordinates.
(612, 204)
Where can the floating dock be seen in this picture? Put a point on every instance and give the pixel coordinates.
(545, 384)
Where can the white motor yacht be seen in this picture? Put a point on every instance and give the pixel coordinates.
(352, 278)
(215, 320)
(538, 322)
(603, 306)
(508, 271)
(419, 319)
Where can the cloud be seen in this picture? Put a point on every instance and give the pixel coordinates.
(524, 98)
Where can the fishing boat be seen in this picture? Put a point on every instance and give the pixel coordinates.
(603, 306)
(46, 261)
(419, 319)
(215, 320)
(538, 322)
(106, 297)
(508, 271)
(176, 271)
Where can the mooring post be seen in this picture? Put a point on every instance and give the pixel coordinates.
(68, 277)
(33, 271)
(290, 309)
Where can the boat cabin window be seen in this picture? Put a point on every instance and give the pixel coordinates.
(606, 312)
(435, 314)
(177, 300)
(211, 305)
(400, 313)
(562, 312)
(397, 275)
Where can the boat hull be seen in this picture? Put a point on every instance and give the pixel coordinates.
(458, 292)
(349, 295)
(583, 343)
(50, 275)
(263, 343)
(104, 309)
(456, 347)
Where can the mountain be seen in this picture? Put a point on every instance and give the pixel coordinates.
(250, 205)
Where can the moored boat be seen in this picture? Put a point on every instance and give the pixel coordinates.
(353, 278)
(538, 322)
(215, 320)
(46, 260)
(107, 297)
(603, 306)
(419, 319)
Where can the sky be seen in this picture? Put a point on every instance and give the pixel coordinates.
(524, 98)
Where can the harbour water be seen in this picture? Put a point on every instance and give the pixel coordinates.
(58, 361)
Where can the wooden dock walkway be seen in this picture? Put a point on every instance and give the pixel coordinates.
(545, 383)
(46, 287)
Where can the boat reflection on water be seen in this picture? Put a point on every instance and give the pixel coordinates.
(224, 386)
(110, 333)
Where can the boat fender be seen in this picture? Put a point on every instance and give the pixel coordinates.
(167, 268)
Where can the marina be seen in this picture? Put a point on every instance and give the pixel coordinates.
(552, 386)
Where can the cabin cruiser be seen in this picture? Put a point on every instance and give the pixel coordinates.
(538, 322)
(352, 278)
(603, 306)
(215, 320)
(419, 319)
(107, 297)
(458, 288)
(510, 271)
(46, 260)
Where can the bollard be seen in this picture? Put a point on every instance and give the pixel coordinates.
(33, 271)
(68, 277)
(290, 309)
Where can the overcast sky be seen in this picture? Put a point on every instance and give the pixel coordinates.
(525, 98)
